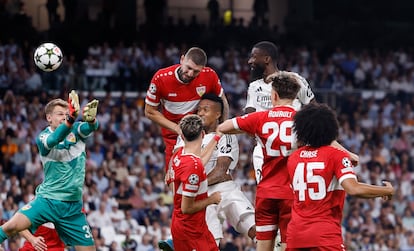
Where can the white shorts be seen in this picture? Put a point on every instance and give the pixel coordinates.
(258, 162)
(234, 208)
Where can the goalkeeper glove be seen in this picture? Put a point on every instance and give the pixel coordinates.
(74, 107)
(89, 111)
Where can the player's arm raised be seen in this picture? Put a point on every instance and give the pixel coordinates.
(226, 109)
(354, 157)
(227, 127)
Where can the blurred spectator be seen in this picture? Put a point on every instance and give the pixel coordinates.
(213, 7)
(19, 160)
(123, 195)
(151, 213)
(146, 243)
(100, 218)
(52, 6)
(129, 244)
(33, 81)
(261, 10)
(129, 223)
(102, 182)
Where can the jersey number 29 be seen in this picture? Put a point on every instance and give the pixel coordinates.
(281, 131)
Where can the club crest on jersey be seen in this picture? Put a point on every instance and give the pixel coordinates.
(71, 138)
(193, 179)
(201, 90)
(152, 88)
(26, 207)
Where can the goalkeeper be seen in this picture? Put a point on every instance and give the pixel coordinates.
(59, 197)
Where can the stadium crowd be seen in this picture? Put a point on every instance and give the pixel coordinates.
(125, 198)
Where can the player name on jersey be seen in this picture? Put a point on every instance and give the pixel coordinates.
(308, 154)
(279, 114)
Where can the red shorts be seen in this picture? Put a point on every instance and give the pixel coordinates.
(270, 215)
(169, 147)
(51, 237)
(206, 242)
(325, 248)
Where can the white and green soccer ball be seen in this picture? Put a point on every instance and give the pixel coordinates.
(48, 57)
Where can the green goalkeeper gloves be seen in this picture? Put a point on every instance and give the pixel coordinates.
(89, 111)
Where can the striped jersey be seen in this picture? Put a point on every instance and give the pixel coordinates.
(63, 156)
(189, 179)
(177, 98)
(316, 176)
(273, 131)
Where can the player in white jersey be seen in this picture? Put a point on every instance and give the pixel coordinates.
(234, 207)
(263, 63)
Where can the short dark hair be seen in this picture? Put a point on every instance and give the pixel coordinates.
(191, 127)
(197, 55)
(213, 97)
(269, 48)
(286, 85)
(316, 125)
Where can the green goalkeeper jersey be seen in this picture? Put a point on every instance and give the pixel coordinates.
(63, 156)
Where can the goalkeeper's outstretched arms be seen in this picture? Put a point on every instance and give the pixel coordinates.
(89, 112)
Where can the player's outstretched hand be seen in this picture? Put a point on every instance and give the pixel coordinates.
(90, 110)
(392, 191)
(354, 158)
(74, 107)
(39, 243)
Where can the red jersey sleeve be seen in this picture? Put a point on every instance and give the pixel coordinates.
(344, 168)
(248, 122)
(153, 95)
(193, 176)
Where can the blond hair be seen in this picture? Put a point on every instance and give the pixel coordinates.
(53, 103)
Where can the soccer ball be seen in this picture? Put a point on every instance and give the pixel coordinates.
(48, 57)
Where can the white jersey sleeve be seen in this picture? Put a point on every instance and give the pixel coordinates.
(228, 146)
(179, 143)
(305, 94)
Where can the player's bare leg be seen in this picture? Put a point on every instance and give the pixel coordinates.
(265, 245)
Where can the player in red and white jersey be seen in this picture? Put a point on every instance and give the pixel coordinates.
(189, 228)
(273, 129)
(320, 176)
(219, 162)
(44, 238)
(177, 90)
(263, 66)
